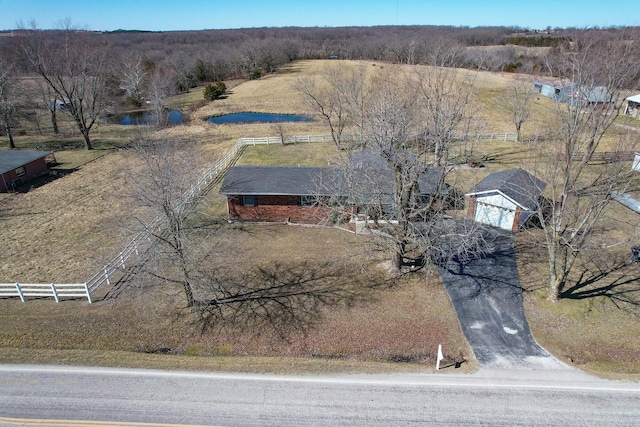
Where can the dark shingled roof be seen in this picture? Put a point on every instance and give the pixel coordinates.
(10, 160)
(372, 176)
(517, 184)
(277, 180)
(373, 164)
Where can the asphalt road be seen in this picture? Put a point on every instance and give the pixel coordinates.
(104, 397)
(487, 297)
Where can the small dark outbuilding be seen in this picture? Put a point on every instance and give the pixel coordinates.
(19, 167)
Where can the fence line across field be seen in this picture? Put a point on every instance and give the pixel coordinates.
(268, 140)
(138, 247)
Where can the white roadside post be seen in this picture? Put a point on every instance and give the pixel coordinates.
(440, 357)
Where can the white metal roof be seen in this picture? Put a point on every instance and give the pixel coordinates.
(634, 98)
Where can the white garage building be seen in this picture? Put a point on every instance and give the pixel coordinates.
(504, 199)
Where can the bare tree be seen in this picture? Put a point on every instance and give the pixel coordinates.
(518, 97)
(73, 63)
(336, 96)
(160, 187)
(390, 122)
(187, 245)
(7, 100)
(394, 184)
(50, 100)
(159, 88)
(600, 66)
(134, 72)
(280, 129)
(446, 98)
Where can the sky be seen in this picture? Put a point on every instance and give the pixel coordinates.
(170, 15)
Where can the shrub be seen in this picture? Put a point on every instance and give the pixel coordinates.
(214, 91)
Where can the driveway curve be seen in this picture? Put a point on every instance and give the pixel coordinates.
(486, 294)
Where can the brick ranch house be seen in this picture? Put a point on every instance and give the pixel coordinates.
(505, 199)
(276, 193)
(290, 193)
(19, 167)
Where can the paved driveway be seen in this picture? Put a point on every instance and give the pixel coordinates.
(487, 297)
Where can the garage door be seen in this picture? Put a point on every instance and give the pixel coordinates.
(494, 215)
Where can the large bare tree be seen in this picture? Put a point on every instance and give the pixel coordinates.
(134, 72)
(446, 97)
(336, 95)
(74, 64)
(7, 98)
(187, 244)
(602, 67)
(159, 87)
(406, 124)
(162, 187)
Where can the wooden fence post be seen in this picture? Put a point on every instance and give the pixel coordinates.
(86, 288)
(55, 294)
(19, 291)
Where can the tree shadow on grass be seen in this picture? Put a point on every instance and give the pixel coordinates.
(283, 297)
(619, 283)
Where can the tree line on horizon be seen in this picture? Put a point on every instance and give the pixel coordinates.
(214, 55)
(139, 70)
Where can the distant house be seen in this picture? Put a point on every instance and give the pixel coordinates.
(594, 97)
(505, 199)
(19, 167)
(298, 194)
(558, 91)
(597, 97)
(632, 108)
(58, 105)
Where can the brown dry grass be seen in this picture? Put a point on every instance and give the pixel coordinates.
(401, 323)
(67, 229)
(598, 333)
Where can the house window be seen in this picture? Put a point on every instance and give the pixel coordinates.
(20, 171)
(308, 201)
(249, 200)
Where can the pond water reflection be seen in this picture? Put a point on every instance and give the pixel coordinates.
(242, 118)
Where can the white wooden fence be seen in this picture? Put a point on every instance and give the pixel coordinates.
(22, 290)
(139, 245)
(131, 254)
(268, 140)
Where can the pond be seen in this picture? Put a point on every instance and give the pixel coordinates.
(244, 118)
(174, 117)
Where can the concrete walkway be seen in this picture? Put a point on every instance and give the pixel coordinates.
(487, 297)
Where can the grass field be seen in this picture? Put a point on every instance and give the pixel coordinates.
(66, 230)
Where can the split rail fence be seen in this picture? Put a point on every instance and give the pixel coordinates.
(134, 252)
